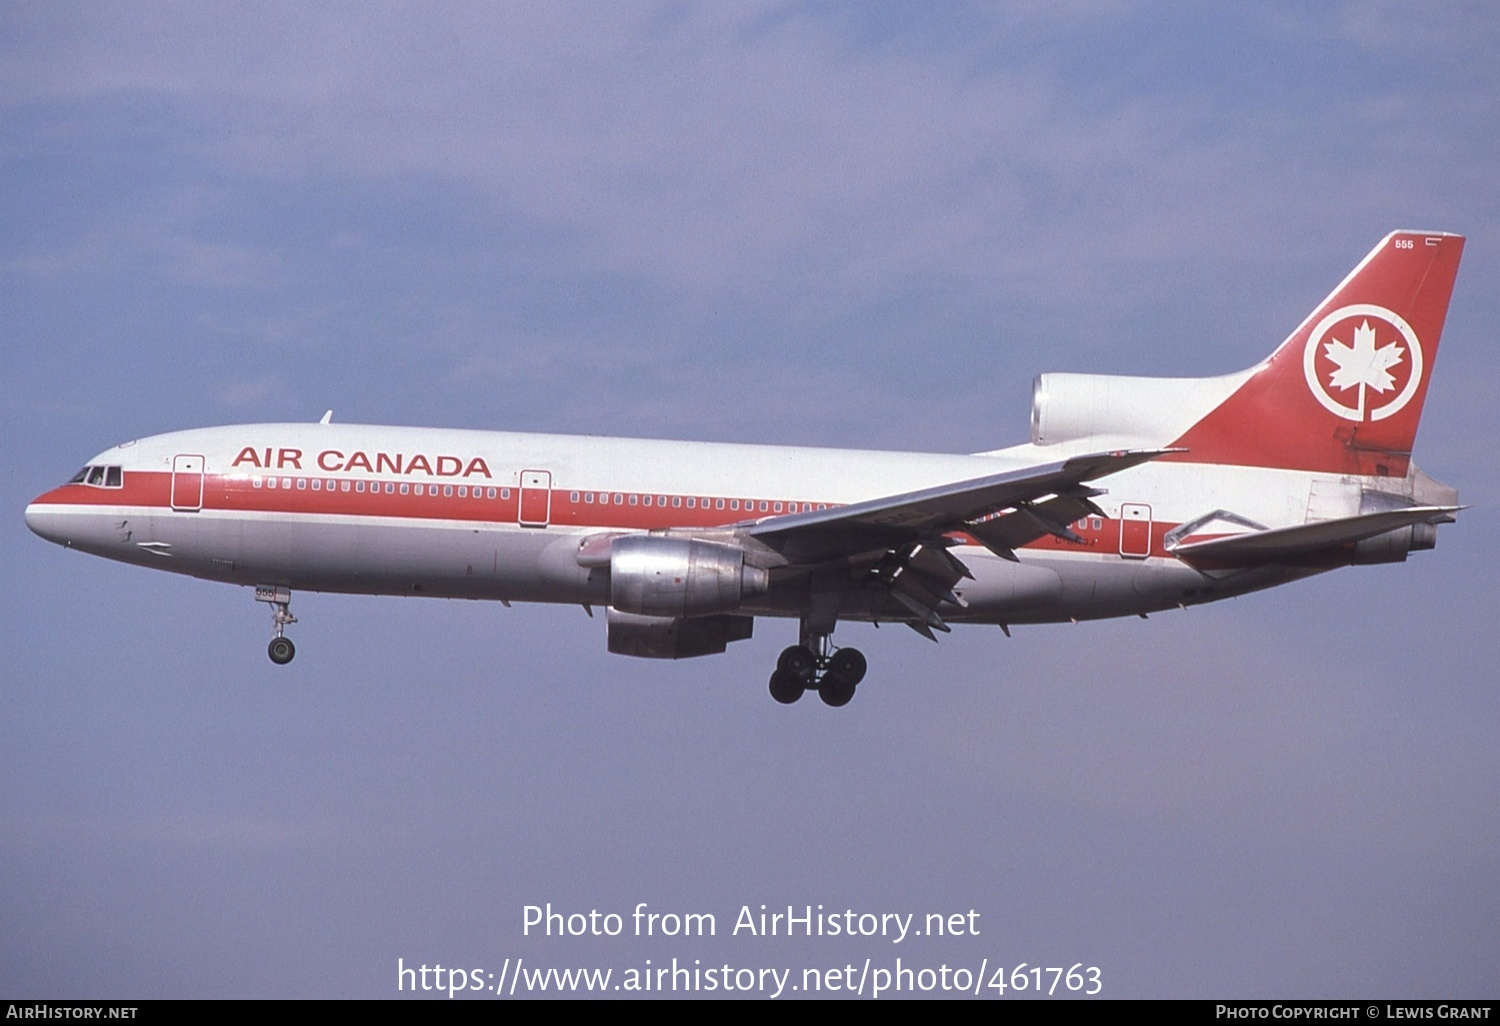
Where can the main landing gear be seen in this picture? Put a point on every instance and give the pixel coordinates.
(281, 650)
(835, 673)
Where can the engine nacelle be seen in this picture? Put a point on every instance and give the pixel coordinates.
(662, 637)
(1120, 409)
(674, 577)
(1392, 546)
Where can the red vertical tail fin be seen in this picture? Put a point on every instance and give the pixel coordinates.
(1343, 394)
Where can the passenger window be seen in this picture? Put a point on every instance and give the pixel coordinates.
(344, 486)
(718, 504)
(634, 499)
(390, 489)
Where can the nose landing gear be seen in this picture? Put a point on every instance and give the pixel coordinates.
(281, 650)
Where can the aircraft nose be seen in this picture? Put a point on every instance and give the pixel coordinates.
(44, 522)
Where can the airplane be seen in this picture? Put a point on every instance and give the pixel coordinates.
(1133, 495)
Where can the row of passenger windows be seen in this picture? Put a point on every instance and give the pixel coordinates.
(99, 477)
(319, 484)
(112, 477)
(693, 502)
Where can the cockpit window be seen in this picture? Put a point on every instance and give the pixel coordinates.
(100, 476)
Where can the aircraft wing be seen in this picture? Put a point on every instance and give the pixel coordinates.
(1286, 544)
(905, 536)
(970, 506)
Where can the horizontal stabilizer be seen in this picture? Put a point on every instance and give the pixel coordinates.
(1284, 544)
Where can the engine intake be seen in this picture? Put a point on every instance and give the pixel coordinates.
(674, 577)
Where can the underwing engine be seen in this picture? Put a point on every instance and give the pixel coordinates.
(675, 577)
(662, 637)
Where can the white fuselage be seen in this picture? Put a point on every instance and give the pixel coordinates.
(385, 510)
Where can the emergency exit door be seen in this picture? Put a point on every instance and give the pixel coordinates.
(536, 498)
(1135, 530)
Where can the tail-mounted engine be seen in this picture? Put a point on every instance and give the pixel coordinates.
(1393, 546)
(652, 575)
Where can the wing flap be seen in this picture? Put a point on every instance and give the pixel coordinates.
(1004, 534)
(896, 520)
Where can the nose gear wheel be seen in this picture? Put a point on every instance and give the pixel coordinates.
(281, 650)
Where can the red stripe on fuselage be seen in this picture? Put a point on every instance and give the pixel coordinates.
(237, 493)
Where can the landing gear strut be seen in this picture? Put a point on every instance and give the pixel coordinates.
(815, 663)
(281, 650)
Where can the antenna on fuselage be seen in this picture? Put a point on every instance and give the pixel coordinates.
(327, 418)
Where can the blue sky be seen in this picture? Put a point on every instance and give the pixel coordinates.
(862, 225)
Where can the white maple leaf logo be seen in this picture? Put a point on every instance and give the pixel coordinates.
(1331, 366)
(1362, 364)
